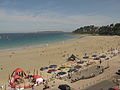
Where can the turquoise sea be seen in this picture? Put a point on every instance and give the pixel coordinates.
(18, 40)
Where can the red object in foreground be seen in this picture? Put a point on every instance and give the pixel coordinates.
(37, 76)
(51, 70)
(17, 77)
(18, 70)
(115, 88)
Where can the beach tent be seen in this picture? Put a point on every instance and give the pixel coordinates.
(72, 58)
(53, 66)
(19, 72)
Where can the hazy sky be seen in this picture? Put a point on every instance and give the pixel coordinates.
(66, 15)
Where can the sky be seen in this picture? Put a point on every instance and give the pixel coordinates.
(53, 15)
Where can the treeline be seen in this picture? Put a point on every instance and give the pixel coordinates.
(112, 29)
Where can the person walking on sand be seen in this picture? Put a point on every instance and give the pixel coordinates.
(100, 61)
(85, 54)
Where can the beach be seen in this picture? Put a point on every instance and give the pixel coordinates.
(33, 58)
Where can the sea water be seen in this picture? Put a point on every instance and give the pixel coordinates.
(17, 40)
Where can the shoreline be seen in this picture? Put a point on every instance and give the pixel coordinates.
(39, 45)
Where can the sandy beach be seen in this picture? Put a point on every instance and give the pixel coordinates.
(57, 53)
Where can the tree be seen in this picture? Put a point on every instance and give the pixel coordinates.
(103, 30)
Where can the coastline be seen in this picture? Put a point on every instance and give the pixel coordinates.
(82, 34)
(23, 40)
(55, 53)
(39, 45)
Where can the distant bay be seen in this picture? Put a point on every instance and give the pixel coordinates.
(18, 40)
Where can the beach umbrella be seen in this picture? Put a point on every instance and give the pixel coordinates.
(61, 73)
(51, 70)
(43, 68)
(96, 58)
(64, 87)
(86, 57)
(102, 56)
(72, 70)
(107, 58)
(77, 67)
(53, 66)
(80, 62)
(61, 68)
(94, 55)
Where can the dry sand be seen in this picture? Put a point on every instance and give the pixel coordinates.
(57, 53)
